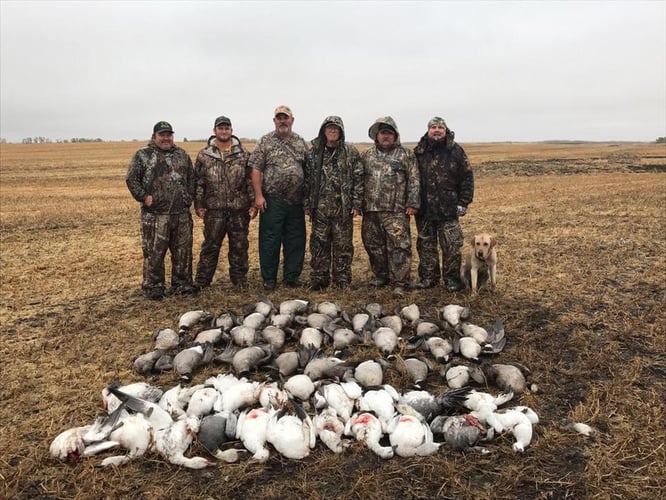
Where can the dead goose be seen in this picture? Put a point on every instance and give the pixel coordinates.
(226, 321)
(202, 402)
(243, 335)
(251, 430)
(454, 313)
(293, 307)
(366, 428)
(330, 309)
(281, 320)
(311, 337)
(374, 309)
(394, 322)
(411, 313)
(293, 436)
(506, 377)
(426, 329)
(274, 336)
(300, 386)
(173, 441)
(254, 320)
(214, 431)
(360, 321)
(518, 421)
(343, 338)
(457, 376)
(287, 363)
(467, 347)
(460, 432)
(248, 358)
(264, 306)
(369, 373)
(145, 363)
(386, 339)
(212, 335)
(166, 339)
(141, 390)
(188, 360)
(330, 427)
(409, 435)
(334, 396)
(418, 369)
(191, 318)
(440, 348)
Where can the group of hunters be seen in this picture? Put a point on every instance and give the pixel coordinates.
(284, 180)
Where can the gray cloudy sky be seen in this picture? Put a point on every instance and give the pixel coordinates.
(496, 71)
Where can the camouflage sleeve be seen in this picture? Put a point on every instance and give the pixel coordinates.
(248, 177)
(191, 180)
(200, 183)
(134, 178)
(308, 170)
(357, 178)
(466, 182)
(413, 181)
(258, 157)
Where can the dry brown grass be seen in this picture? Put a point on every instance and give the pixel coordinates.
(581, 288)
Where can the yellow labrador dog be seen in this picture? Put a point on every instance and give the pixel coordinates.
(479, 254)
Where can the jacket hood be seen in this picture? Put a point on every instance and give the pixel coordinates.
(384, 120)
(334, 120)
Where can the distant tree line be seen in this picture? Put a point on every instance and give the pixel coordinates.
(661, 140)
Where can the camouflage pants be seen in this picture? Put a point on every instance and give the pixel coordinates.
(331, 241)
(159, 233)
(450, 237)
(387, 239)
(217, 225)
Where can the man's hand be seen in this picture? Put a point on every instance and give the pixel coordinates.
(260, 203)
(460, 210)
(201, 212)
(411, 211)
(252, 211)
(148, 200)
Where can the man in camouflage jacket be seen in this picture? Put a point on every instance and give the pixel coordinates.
(391, 196)
(161, 178)
(447, 188)
(278, 178)
(225, 200)
(333, 197)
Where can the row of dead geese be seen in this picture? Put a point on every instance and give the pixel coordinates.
(348, 400)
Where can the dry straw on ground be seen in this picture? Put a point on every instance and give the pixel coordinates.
(581, 291)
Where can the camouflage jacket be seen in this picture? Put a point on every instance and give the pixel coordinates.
(391, 180)
(447, 179)
(334, 178)
(223, 180)
(282, 163)
(168, 176)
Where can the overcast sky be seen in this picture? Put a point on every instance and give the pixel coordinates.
(496, 71)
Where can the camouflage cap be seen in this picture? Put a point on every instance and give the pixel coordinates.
(437, 121)
(162, 127)
(283, 110)
(222, 120)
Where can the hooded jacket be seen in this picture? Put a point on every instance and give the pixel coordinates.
(348, 170)
(223, 179)
(168, 176)
(447, 179)
(391, 178)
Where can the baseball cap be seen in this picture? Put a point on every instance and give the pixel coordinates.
(283, 110)
(162, 127)
(222, 120)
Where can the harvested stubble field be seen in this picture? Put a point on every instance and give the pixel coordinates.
(581, 292)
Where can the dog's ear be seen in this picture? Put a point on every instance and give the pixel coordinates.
(493, 242)
(472, 239)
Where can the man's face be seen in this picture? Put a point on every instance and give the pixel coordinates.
(283, 123)
(332, 133)
(437, 132)
(223, 132)
(164, 140)
(386, 138)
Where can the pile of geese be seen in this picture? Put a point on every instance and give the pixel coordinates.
(308, 394)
